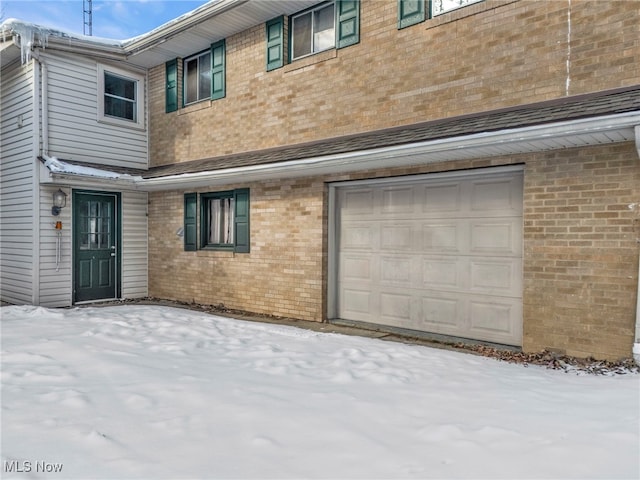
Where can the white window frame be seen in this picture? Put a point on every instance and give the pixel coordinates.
(313, 46)
(139, 80)
(184, 78)
(440, 7)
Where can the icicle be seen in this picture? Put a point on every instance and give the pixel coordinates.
(29, 36)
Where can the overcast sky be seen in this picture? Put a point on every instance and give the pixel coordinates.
(116, 19)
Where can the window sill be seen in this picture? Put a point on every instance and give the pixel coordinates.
(121, 123)
(311, 60)
(194, 107)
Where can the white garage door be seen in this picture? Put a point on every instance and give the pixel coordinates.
(440, 255)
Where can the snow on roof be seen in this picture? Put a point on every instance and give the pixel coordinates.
(58, 166)
(33, 35)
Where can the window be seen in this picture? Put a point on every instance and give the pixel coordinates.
(197, 78)
(411, 12)
(223, 222)
(329, 25)
(204, 75)
(438, 7)
(121, 99)
(313, 31)
(218, 219)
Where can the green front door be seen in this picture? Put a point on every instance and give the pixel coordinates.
(95, 246)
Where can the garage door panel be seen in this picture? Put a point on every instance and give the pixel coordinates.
(441, 273)
(358, 237)
(442, 237)
(440, 198)
(495, 197)
(395, 308)
(495, 320)
(441, 314)
(495, 276)
(358, 202)
(356, 268)
(397, 200)
(396, 271)
(356, 303)
(399, 237)
(496, 237)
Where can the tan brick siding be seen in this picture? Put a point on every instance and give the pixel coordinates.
(581, 231)
(493, 54)
(580, 249)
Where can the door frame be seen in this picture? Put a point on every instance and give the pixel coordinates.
(333, 229)
(118, 238)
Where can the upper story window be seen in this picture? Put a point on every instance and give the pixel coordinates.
(313, 30)
(203, 77)
(120, 97)
(197, 78)
(411, 12)
(438, 7)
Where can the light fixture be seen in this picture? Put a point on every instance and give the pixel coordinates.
(59, 202)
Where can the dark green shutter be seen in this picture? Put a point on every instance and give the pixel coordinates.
(347, 22)
(242, 242)
(218, 70)
(275, 43)
(410, 12)
(190, 222)
(171, 95)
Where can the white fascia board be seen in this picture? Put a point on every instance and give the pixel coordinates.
(512, 141)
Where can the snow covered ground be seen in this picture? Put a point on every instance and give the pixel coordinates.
(157, 392)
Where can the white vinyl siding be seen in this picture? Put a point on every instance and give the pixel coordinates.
(74, 130)
(16, 184)
(134, 245)
(55, 286)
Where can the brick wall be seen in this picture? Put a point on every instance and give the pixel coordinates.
(280, 276)
(580, 249)
(581, 231)
(489, 55)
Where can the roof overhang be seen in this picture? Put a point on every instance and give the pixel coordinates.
(602, 130)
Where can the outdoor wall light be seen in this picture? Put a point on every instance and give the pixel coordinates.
(59, 202)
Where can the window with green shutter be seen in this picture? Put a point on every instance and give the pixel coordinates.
(411, 12)
(275, 43)
(325, 26)
(224, 220)
(171, 94)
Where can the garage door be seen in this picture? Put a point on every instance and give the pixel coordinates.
(440, 255)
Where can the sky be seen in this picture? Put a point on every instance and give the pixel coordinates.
(151, 392)
(114, 19)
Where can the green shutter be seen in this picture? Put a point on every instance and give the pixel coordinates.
(347, 23)
(190, 219)
(171, 94)
(218, 70)
(275, 43)
(241, 198)
(410, 12)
